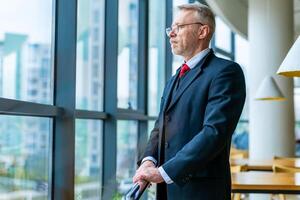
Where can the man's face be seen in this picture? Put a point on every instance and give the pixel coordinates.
(186, 40)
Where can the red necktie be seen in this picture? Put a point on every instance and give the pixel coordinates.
(183, 69)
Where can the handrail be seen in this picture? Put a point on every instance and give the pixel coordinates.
(135, 193)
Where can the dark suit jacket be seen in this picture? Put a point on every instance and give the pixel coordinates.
(195, 127)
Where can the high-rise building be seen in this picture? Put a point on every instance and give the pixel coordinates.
(95, 93)
(25, 69)
(90, 93)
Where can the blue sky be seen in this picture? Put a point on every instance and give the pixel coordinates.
(30, 17)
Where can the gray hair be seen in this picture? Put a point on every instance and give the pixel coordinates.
(205, 14)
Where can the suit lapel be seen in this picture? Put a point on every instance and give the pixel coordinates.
(192, 75)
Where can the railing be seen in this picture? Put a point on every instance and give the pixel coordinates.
(135, 193)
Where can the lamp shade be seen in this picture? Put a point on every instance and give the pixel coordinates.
(269, 90)
(290, 66)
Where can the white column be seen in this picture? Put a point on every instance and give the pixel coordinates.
(271, 128)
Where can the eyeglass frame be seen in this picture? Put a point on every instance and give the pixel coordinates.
(177, 26)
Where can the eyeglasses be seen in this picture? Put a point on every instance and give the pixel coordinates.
(177, 27)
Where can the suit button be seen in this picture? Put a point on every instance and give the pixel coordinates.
(166, 145)
(185, 180)
(168, 118)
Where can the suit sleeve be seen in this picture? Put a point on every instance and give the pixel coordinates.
(226, 98)
(152, 145)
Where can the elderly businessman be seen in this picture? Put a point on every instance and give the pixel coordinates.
(188, 151)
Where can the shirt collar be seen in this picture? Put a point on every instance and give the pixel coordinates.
(196, 58)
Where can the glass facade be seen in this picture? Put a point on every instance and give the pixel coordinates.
(223, 35)
(127, 54)
(241, 136)
(156, 61)
(25, 157)
(88, 159)
(89, 56)
(126, 154)
(26, 50)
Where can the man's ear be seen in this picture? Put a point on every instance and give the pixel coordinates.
(204, 32)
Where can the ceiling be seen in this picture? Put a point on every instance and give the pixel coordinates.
(296, 15)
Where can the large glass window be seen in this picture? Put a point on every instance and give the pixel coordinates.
(25, 50)
(241, 51)
(156, 64)
(88, 159)
(128, 54)
(150, 127)
(223, 35)
(126, 154)
(240, 138)
(90, 47)
(24, 157)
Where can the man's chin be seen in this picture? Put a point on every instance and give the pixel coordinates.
(175, 52)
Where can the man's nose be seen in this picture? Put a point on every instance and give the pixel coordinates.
(172, 34)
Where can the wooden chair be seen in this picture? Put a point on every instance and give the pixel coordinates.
(280, 168)
(284, 158)
(236, 169)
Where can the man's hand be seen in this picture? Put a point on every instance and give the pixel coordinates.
(142, 183)
(150, 174)
(147, 172)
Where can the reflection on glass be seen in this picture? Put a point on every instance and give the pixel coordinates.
(156, 71)
(88, 159)
(222, 35)
(24, 157)
(90, 47)
(128, 54)
(126, 154)
(25, 50)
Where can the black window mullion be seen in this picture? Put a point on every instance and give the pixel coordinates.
(143, 75)
(232, 45)
(23, 108)
(88, 114)
(63, 156)
(168, 53)
(142, 55)
(110, 99)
